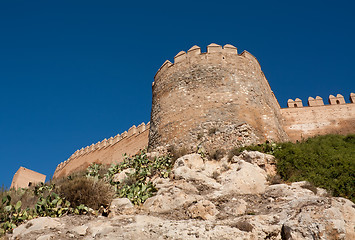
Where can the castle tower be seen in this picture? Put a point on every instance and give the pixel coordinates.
(217, 99)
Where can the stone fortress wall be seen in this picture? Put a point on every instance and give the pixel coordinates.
(218, 99)
(318, 119)
(107, 151)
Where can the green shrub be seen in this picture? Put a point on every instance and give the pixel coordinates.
(325, 161)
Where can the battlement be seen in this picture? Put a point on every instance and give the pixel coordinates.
(132, 131)
(318, 101)
(214, 51)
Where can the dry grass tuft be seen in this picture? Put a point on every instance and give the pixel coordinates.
(88, 191)
(217, 154)
(177, 153)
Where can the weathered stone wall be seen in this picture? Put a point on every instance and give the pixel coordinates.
(319, 119)
(218, 98)
(24, 178)
(107, 151)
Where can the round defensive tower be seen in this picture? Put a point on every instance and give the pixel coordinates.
(219, 99)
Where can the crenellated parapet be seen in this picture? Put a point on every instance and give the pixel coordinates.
(106, 143)
(352, 97)
(337, 117)
(339, 99)
(318, 101)
(294, 103)
(214, 52)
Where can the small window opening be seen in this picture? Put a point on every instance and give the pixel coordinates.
(30, 184)
(338, 102)
(295, 105)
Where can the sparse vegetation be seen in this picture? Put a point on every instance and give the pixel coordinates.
(325, 161)
(83, 192)
(236, 151)
(138, 186)
(13, 213)
(310, 187)
(212, 131)
(274, 179)
(216, 154)
(175, 153)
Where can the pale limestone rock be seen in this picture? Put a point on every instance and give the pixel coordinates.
(347, 210)
(161, 182)
(321, 192)
(192, 161)
(98, 229)
(185, 186)
(263, 160)
(36, 224)
(243, 178)
(120, 205)
(191, 175)
(169, 199)
(80, 230)
(214, 167)
(119, 177)
(240, 207)
(203, 209)
(45, 237)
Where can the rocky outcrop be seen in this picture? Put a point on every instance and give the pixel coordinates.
(213, 200)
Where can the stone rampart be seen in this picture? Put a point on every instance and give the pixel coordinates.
(219, 98)
(107, 151)
(318, 119)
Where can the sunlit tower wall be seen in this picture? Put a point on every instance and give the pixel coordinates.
(218, 99)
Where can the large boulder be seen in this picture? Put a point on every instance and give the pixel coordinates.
(264, 161)
(169, 199)
(243, 178)
(192, 161)
(120, 205)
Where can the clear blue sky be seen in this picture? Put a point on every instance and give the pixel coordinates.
(75, 72)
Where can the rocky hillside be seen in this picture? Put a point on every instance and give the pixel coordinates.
(207, 199)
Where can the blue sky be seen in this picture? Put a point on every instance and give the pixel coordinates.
(75, 72)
